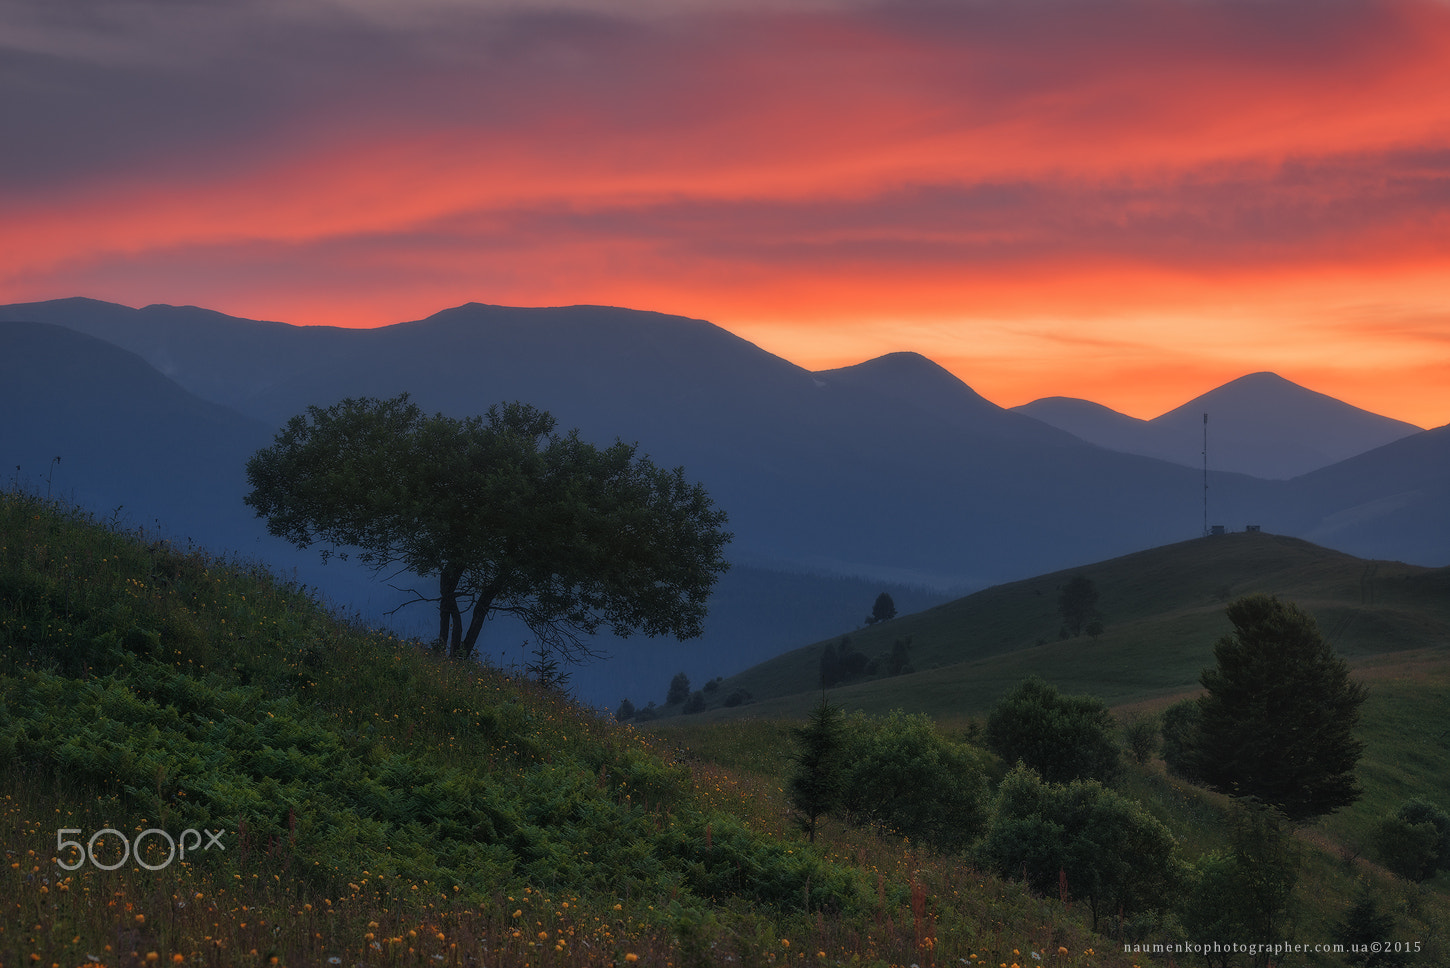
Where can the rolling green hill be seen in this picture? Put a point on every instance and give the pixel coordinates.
(379, 805)
(1162, 610)
(373, 803)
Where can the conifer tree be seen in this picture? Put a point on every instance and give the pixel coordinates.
(679, 690)
(1278, 721)
(818, 779)
(884, 609)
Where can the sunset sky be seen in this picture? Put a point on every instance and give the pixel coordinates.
(1131, 201)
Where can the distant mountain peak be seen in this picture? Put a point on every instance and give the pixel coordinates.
(1260, 424)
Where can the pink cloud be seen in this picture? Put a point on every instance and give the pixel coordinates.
(841, 165)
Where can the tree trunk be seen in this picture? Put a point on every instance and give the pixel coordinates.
(481, 607)
(450, 619)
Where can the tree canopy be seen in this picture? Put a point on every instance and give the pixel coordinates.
(508, 515)
(1063, 738)
(1278, 721)
(883, 610)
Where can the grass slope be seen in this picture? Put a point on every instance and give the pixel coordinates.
(1163, 610)
(376, 805)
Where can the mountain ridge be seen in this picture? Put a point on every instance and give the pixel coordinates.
(1308, 429)
(891, 473)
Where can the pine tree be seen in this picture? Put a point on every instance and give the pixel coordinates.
(883, 610)
(819, 776)
(679, 690)
(1279, 718)
(1363, 927)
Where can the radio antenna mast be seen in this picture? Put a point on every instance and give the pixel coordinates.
(1205, 475)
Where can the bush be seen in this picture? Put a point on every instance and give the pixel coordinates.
(1410, 848)
(739, 697)
(1179, 737)
(901, 774)
(1246, 891)
(1062, 738)
(1083, 839)
(1141, 735)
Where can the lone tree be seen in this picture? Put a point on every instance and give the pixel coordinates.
(1078, 606)
(819, 776)
(884, 609)
(679, 690)
(509, 517)
(1278, 721)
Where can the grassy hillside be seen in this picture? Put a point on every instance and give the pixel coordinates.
(373, 804)
(1163, 609)
(1407, 755)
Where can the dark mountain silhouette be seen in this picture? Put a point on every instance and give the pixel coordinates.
(138, 448)
(892, 473)
(1388, 503)
(1260, 424)
(127, 436)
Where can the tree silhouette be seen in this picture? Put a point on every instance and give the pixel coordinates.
(507, 515)
(883, 610)
(679, 689)
(817, 781)
(1278, 721)
(1078, 605)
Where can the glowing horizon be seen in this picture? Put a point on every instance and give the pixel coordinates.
(1130, 203)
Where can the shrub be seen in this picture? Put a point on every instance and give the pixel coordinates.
(903, 775)
(1141, 735)
(1247, 891)
(1063, 738)
(739, 697)
(1179, 737)
(1414, 842)
(1084, 839)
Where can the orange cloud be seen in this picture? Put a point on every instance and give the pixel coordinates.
(1128, 197)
